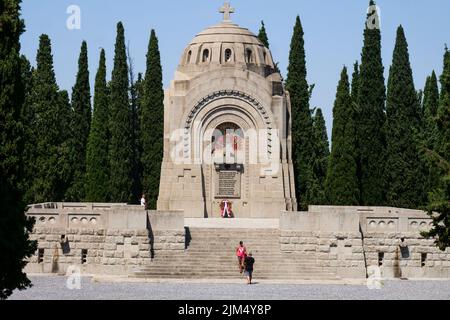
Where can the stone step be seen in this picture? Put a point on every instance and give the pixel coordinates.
(321, 276)
(228, 264)
(260, 260)
(195, 263)
(210, 254)
(224, 250)
(249, 247)
(226, 272)
(258, 257)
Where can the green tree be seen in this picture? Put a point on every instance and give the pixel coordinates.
(371, 120)
(97, 165)
(15, 228)
(355, 85)
(65, 146)
(321, 158)
(262, 35)
(135, 135)
(439, 210)
(404, 168)
(443, 113)
(430, 107)
(152, 129)
(342, 180)
(48, 130)
(430, 132)
(28, 122)
(439, 207)
(79, 127)
(302, 123)
(120, 146)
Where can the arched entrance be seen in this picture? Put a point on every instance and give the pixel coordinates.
(228, 155)
(228, 144)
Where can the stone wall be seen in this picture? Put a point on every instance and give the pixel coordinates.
(101, 238)
(349, 240)
(331, 236)
(383, 230)
(167, 232)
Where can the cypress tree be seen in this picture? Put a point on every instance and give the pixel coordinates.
(321, 158)
(48, 129)
(15, 245)
(262, 35)
(355, 84)
(120, 146)
(65, 145)
(439, 206)
(430, 101)
(136, 171)
(443, 112)
(302, 124)
(97, 165)
(371, 106)
(152, 129)
(138, 96)
(342, 181)
(404, 168)
(429, 129)
(79, 127)
(28, 122)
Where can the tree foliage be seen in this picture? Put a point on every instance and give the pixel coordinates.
(15, 228)
(152, 123)
(302, 122)
(97, 165)
(342, 180)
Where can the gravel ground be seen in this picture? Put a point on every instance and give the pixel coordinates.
(54, 288)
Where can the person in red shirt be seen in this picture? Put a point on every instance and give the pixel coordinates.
(241, 253)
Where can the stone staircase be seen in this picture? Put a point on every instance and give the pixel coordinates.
(211, 255)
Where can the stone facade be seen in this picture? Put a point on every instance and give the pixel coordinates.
(227, 111)
(345, 241)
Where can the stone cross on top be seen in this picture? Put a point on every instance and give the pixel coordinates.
(227, 10)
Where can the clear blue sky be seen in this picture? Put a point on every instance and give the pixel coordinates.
(333, 33)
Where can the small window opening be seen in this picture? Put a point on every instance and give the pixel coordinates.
(40, 255)
(228, 55)
(380, 258)
(205, 55)
(423, 259)
(189, 55)
(249, 56)
(84, 253)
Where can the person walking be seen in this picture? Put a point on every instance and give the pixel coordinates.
(248, 266)
(241, 253)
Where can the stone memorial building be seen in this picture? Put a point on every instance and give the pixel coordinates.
(227, 146)
(227, 128)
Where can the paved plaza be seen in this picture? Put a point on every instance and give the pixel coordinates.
(55, 288)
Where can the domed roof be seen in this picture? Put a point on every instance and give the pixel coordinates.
(226, 45)
(226, 32)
